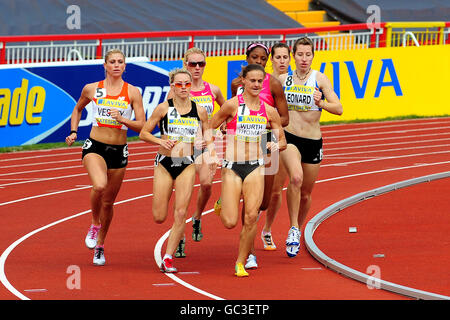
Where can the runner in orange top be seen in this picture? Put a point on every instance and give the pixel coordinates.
(105, 152)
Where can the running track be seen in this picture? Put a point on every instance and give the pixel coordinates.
(44, 208)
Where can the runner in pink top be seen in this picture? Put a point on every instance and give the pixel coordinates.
(257, 119)
(204, 98)
(273, 94)
(247, 119)
(266, 94)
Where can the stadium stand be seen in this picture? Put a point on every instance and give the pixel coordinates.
(304, 12)
(45, 17)
(355, 11)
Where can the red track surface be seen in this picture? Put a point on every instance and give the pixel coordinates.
(410, 226)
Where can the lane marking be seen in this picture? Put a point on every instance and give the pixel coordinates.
(324, 165)
(158, 259)
(386, 132)
(364, 126)
(188, 272)
(35, 290)
(319, 255)
(12, 246)
(389, 150)
(158, 246)
(76, 189)
(384, 144)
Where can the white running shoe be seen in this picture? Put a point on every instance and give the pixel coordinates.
(251, 262)
(91, 237)
(292, 251)
(293, 237)
(99, 256)
(293, 242)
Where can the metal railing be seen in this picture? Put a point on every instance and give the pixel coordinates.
(171, 45)
(426, 33)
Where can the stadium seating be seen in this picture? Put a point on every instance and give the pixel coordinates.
(301, 11)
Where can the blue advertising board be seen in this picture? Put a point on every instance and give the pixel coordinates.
(36, 101)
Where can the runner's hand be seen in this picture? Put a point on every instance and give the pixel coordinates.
(70, 139)
(167, 144)
(317, 95)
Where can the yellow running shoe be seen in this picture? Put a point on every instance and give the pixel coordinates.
(240, 270)
(217, 207)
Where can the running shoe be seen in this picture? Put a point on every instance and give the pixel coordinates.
(251, 262)
(167, 266)
(269, 245)
(217, 207)
(91, 237)
(293, 242)
(197, 234)
(180, 249)
(99, 256)
(293, 237)
(292, 251)
(240, 270)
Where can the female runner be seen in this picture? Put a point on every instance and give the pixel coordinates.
(181, 122)
(247, 118)
(105, 152)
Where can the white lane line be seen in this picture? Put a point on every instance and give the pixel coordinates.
(384, 133)
(78, 158)
(384, 144)
(71, 151)
(11, 247)
(383, 158)
(35, 290)
(43, 179)
(326, 143)
(64, 191)
(8, 250)
(41, 156)
(39, 170)
(158, 259)
(324, 165)
(365, 127)
(6, 253)
(383, 170)
(157, 250)
(390, 150)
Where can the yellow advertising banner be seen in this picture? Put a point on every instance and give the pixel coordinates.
(371, 83)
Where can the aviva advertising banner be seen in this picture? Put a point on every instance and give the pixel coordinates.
(371, 83)
(36, 101)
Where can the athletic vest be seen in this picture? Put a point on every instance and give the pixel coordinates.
(204, 98)
(180, 127)
(300, 97)
(248, 125)
(102, 103)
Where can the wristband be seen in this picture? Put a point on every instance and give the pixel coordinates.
(73, 131)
